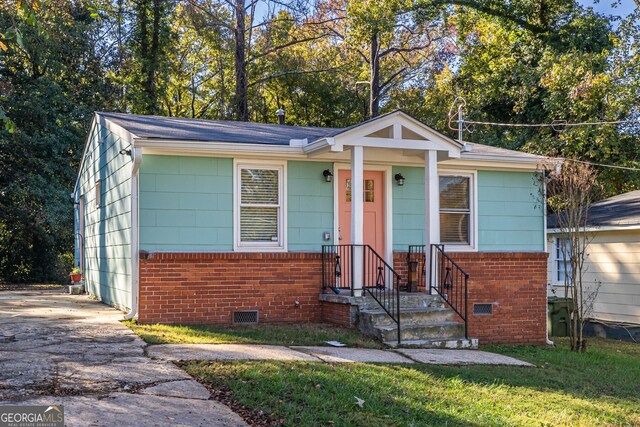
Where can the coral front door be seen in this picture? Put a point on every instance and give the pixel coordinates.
(373, 209)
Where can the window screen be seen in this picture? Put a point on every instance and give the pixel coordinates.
(259, 205)
(455, 209)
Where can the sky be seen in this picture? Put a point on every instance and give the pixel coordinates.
(623, 8)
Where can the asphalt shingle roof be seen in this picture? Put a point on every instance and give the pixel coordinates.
(175, 128)
(623, 209)
(158, 127)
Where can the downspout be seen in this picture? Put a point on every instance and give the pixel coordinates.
(546, 248)
(135, 246)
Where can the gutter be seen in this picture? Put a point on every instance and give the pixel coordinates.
(135, 245)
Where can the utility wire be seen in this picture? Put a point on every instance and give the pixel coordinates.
(557, 125)
(554, 124)
(603, 165)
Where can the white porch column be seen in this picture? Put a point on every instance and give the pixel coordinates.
(357, 215)
(431, 204)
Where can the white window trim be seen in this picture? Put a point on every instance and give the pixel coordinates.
(554, 258)
(473, 208)
(281, 245)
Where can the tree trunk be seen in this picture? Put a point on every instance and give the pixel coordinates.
(374, 81)
(240, 101)
(153, 58)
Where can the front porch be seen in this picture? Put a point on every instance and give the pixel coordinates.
(426, 308)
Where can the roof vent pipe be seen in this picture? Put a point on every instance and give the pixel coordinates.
(280, 114)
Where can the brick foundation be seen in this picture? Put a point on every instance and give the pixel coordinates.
(516, 285)
(338, 314)
(193, 288)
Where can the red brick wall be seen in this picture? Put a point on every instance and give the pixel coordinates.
(337, 314)
(207, 287)
(516, 285)
(401, 267)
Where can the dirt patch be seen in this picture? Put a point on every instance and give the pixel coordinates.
(31, 287)
(252, 417)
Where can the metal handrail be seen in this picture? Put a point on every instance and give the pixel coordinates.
(379, 279)
(449, 281)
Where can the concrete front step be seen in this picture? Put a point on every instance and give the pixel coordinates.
(431, 331)
(408, 316)
(407, 300)
(451, 343)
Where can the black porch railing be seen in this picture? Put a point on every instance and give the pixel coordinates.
(449, 281)
(379, 280)
(416, 268)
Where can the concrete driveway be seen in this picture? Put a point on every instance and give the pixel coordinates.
(58, 349)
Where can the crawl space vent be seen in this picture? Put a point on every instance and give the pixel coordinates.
(245, 316)
(482, 308)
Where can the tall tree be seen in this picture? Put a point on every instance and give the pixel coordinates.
(248, 21)
(151, 43)
(53, 82)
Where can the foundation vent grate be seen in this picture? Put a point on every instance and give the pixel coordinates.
(482, 308)
(250, 316)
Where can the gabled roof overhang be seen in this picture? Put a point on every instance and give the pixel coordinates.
(395, 130)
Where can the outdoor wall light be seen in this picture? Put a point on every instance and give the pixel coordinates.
(328, 176)
(399, 179)
(125, 151)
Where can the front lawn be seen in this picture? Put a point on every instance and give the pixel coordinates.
(599, 388)
(303, 334)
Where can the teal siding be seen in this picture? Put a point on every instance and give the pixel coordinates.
(107, 230)
(510, 214)
(408, 208)
(310, 205)
(186, 203)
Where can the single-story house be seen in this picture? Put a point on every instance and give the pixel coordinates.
(222, 222)
(612, 262)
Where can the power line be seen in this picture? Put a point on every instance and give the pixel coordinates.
(555, 124)
(603, 165)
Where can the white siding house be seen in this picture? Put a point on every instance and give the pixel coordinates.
(612, 261)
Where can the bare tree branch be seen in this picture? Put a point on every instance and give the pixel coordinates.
(292, 72)
(285, 45)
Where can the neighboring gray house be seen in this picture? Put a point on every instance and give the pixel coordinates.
(612, 261)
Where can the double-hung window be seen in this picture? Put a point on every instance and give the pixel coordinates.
(456, 205)
(563, 260)
(259, 206)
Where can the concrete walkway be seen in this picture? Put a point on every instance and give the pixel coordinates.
(174, 352)
(57, 349)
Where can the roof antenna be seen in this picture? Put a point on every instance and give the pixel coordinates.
(280, 114)
(460, 122)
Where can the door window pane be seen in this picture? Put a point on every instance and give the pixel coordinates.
(369, 190)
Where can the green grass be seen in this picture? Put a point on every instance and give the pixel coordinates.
(599, 388)
(273, 334)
